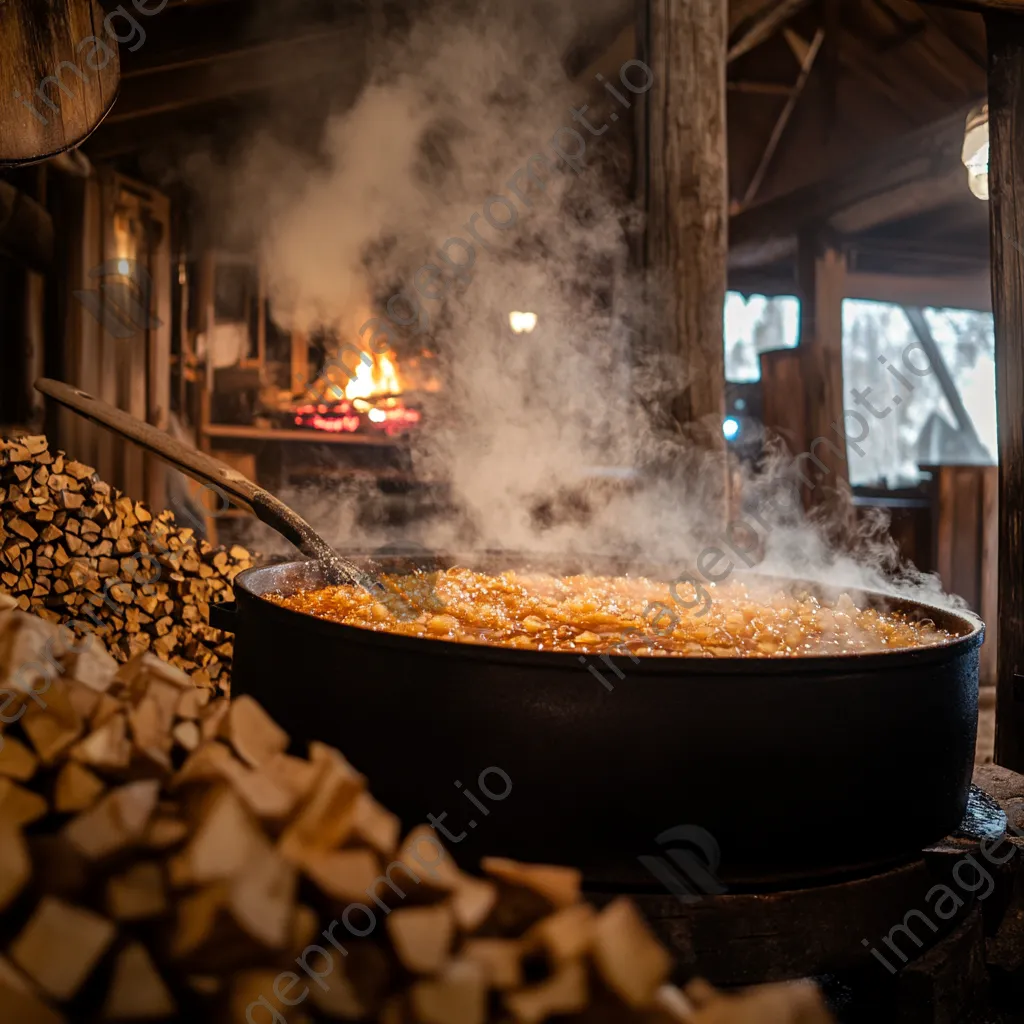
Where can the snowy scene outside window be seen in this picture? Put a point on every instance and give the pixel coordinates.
(923, 428)
(754, 325)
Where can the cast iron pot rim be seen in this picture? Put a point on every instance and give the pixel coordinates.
(837, 664)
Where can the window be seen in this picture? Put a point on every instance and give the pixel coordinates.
(754, 325)
(914, 421)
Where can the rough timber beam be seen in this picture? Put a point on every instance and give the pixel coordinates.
(920, 172)
(1006, 6)
(686, 196)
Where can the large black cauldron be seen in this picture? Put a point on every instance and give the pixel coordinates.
(795, 766)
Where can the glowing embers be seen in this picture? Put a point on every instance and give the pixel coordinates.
(389, 416)
(336, 418)
(369, 401)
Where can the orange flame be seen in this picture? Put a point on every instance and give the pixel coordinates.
(379, 378)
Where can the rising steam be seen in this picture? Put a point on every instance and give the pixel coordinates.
(546, 442)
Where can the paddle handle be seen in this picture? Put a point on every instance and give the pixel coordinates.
(206, 469)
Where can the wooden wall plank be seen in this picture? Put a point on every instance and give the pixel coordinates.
(83, 438)
(781, 380)
(1006, 210)
(158, 411)
(108, 448)
(988, 605)
(967, 496)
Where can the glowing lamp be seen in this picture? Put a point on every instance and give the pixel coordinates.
(522, 323)
(975, 152)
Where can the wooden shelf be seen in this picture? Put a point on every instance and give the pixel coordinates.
(227, 431)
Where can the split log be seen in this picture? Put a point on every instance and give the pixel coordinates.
(632, 963)
(457, 996)
(60, 946)
(137, 992)
(76, 788)
(17, 761)
(422, 937)
(501, 959)
(117, 822)
(565, 992)
(253, 734)
(560, 886)
(15, 865)
(137, 893)
(19, 806)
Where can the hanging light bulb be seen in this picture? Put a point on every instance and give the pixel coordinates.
(975, 151)
(522, 323)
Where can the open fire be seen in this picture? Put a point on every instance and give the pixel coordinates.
(373, 401)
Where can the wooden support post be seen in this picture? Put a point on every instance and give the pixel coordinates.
(686, 195)
(821, 282)
(261, 321)
(159, 345)
(1006, 212)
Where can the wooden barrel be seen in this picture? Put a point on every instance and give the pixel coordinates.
(59, 76)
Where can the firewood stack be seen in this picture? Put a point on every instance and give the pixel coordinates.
(75, 550)
(162, 857)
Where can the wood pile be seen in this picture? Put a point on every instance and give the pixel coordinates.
(162, 857)
(75, 550)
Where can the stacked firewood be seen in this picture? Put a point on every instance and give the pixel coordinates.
(162, 857)
(75, 550)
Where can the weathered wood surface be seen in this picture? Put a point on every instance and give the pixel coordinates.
(687, 194)
(59, 76)
(768, 20)
(1006, 210)
(821, 282)
(806, 59)
(1008, 6)
(965, 518)
(922, 171)
(781, 381)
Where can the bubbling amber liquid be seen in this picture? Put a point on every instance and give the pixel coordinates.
(609, 614)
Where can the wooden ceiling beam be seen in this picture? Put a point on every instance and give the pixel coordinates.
(903, 90)
(771, 18)
(932, 47)
(744, 11)
(1005, 6)
(911, 175)
(950, 23)
(810, 53)
(761, 88)
(216, 77)
(830, 65)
